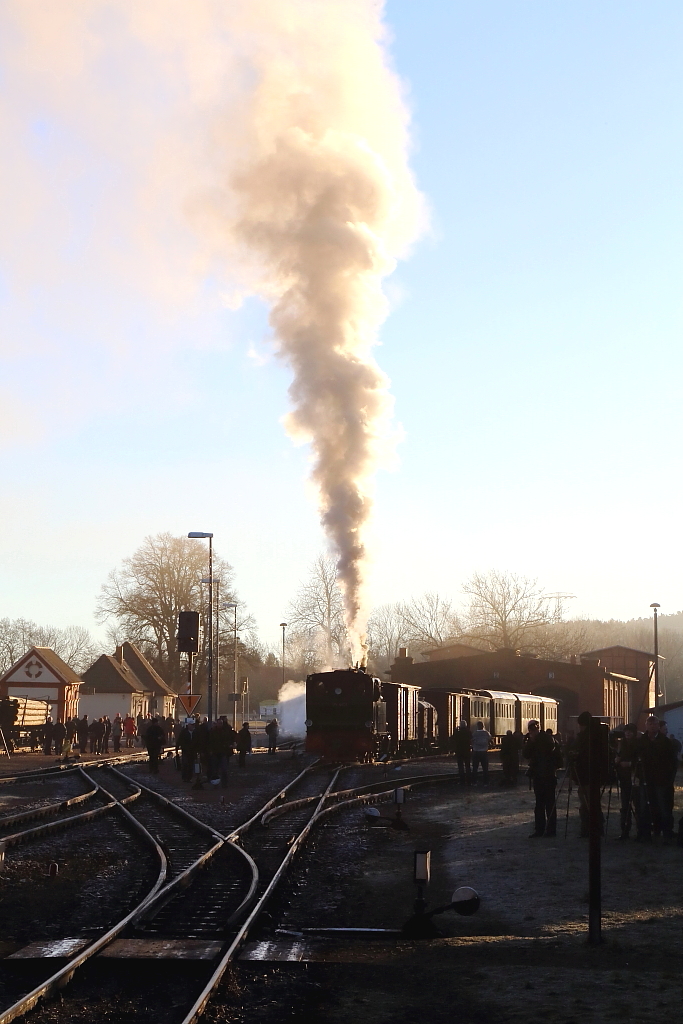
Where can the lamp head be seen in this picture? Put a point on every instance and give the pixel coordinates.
(283, 624)
(198, 535)
(655, 605)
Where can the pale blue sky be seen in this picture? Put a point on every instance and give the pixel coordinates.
(533, 347)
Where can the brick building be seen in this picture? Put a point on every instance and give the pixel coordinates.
(585, 685)
(631, 662)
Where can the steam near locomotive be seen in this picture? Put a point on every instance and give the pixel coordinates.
(353, 715)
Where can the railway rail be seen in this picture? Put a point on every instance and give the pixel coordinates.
(209, 892)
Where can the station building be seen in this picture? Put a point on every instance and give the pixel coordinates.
(585, 684)
(42, 675)
(126, 684)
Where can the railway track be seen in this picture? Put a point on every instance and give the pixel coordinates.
(208, 895)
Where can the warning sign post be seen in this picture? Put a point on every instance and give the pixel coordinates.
(189, 701)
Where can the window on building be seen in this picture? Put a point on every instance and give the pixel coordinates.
(551, 675)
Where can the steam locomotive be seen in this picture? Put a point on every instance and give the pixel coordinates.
(352, 715)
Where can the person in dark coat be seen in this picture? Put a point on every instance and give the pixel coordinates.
(96, 732)
(544, 760)
(271, 733)
(243, 744)
(185, 745)
(155, 737)
(71, 730)
(106, 734)
(48, 730)
(117, 733)
(58, 737)
(82, 733)
(657, 764)
(625, 763)
(579, 761)
(222, 741)
(462, 744)
(509, 756)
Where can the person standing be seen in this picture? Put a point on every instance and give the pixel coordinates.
(509, 757)
(224, 746)
(580, 761)
(186, 746)
(82, 733)
(271, 732)
(117, 733)
(625, 762)
(544, 759)
(658, 765)
(48, 730)
(481, 741)
(243, 744)
(462, 743)
(58, 736)
(154, 741)
(107, 733)
(71, 727)
(129, 730)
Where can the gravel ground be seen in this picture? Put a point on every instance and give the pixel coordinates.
(224, 809)
(102, 873)
(524, 953)
(24, 796)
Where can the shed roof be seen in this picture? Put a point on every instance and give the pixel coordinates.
(107, 675)
(620, 647)
(666, 707)
(145, 672)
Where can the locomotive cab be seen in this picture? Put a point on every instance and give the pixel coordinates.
(345, 715)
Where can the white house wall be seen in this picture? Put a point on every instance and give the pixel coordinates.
(674, 720)
(97, 705)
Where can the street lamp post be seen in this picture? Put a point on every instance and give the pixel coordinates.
(283, 627)
(655, 606)
(197, 535)
(232, 604)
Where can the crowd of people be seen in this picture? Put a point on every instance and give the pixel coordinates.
(200, 747)
(640, 767)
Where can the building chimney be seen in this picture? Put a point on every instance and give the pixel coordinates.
(403, 652)
(119, 655)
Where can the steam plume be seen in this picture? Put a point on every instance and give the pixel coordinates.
(283, 138)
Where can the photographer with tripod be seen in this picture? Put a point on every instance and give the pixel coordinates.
(625, 763)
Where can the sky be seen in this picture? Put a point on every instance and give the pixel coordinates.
(532, 342)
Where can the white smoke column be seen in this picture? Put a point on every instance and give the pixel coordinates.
(325, 200)
(278, 129)
(292, 701)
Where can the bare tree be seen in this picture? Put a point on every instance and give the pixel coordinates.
(73, 644)
(386, 634)
(316, 615)
(430, 621)
(143, 597)
(506, 610)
